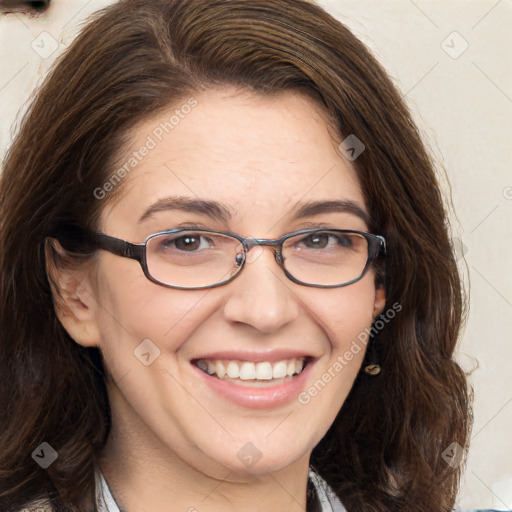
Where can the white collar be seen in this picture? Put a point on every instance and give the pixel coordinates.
(104, 499)
(329, 501)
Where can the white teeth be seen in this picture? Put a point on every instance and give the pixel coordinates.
(220, 370)
(233, 370)
(263, 371)
(279, 370)
(247, 370)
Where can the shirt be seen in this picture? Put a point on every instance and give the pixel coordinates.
(329, 501)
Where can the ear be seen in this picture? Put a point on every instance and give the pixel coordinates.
(73, 295)
(380, 301)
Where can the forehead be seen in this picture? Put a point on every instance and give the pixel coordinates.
(259, 155)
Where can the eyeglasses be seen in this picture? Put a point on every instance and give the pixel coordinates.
(200, 258)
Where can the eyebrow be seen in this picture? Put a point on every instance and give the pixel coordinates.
(334, 206)
(207, 207)
(222, 212)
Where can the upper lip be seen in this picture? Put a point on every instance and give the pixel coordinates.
(255, 356)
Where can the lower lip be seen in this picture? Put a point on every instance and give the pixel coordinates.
(257, 398)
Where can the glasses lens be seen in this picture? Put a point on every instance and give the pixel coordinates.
(196, 259)
(192, 259)
(326, 257)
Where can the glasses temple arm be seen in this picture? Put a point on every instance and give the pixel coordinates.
(119, 247)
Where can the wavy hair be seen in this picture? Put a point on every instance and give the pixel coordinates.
(384, 451)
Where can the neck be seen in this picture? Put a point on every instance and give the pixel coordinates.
(147, 476)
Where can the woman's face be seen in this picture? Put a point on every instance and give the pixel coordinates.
(261, 159)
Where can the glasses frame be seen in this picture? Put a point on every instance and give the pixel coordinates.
(137, 252)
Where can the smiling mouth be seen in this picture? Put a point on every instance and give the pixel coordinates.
(256, 374)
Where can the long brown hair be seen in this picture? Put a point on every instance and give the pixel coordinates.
(384, 451)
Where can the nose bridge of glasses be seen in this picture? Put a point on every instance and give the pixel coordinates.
(254, 248)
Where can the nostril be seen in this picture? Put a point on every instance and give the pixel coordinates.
(30, 6)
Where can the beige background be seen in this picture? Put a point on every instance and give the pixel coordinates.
(452, 60)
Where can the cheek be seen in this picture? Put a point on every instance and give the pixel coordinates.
(347, 314)
(132, 309)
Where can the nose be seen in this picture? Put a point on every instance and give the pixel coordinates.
(261, 296)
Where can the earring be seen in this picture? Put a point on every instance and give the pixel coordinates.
(372, 369)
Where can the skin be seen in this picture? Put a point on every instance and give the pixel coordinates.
(173, 439)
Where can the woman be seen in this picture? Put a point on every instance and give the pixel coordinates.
(226, 276)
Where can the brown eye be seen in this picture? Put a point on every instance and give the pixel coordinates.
(317, 241)
(192, 243)
(188, 242)
(324, 240)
